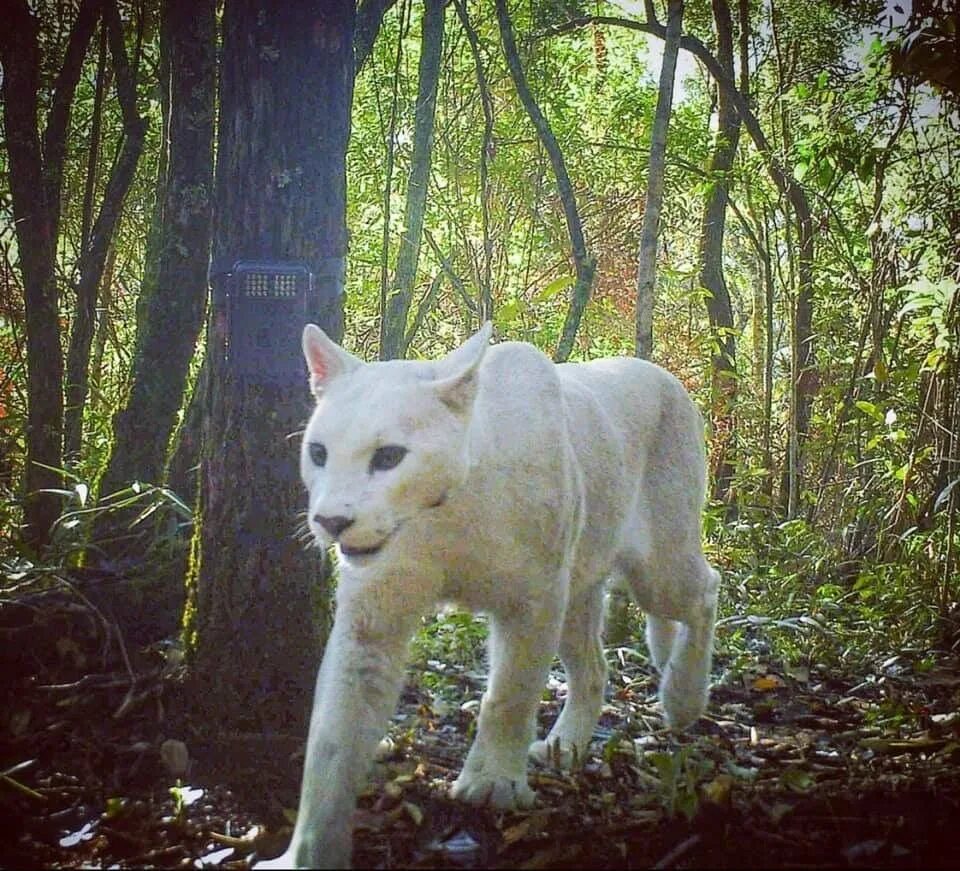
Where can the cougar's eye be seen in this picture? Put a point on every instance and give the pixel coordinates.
(387, 457)
(318, 453)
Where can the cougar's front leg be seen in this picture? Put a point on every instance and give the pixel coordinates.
(581, 651)
(521, 649)
(357, 689)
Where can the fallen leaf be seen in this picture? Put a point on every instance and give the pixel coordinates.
(533, 824)
(778, 810)
(797, 779)
(175, 757)
(74, 838)
(414, 812)
(214, 858)
(767, 682)
(717, 791)
(799, 673)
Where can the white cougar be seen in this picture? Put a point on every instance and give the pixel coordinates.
(501, 482)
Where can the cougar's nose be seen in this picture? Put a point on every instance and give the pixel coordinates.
(334, 525)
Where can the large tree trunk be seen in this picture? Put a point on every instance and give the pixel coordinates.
(171, 306)
(647, 257)
(398, 300)
(36, 176)
(585, 264)
(712, 229)
(259, 599)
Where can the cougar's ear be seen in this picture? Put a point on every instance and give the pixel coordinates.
(326, 360)
(457, 386)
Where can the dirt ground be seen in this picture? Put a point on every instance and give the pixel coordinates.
(791, 768)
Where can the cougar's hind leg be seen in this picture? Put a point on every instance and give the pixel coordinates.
(661, 635)
(581, 651)
(678, 593)
(685, 680)
(642, 581)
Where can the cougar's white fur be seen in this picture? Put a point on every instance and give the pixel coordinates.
(499, 481)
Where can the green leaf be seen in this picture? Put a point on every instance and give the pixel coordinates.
(797, 779)
(869, 409)
(554, 287)
(509, 313)
(665, 765)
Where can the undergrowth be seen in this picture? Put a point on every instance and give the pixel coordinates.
(790, 593)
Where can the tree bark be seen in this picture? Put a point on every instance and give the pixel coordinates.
(647, 256)
(171, 306)
(619, 618)
(408, 256)
(36, 177)
(712, 229)
(585, 263)
(259, 602)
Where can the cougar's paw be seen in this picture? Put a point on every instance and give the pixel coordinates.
(556, 753)
(333, 852)
(284, 860)
(502, 793)
(682, 702)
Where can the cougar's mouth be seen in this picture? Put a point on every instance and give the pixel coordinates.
(346, 550)
(361, 552)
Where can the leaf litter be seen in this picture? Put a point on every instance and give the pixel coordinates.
(101, 767)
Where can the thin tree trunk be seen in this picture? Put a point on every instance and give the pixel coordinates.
(93, 158)
(94, 258)
(619, 618)
(585, 263)
(804, 382)
(391, 146)
(408, 256)
(656, 168)
(171, 308)
(35, 177)
(486, 155)
(719, 310)
(768, 298)
(100, 339)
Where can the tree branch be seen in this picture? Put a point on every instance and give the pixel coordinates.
(64, 87)
(585, 263)
(369, 20)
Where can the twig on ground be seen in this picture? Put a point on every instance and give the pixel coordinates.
(681, 848)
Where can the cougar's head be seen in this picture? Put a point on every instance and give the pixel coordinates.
(386, 442)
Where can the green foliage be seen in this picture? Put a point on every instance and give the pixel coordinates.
(792, 595)
(680, 772)
(155, 514)
(446, 646)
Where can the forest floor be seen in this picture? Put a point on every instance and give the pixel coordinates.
(789, 768)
